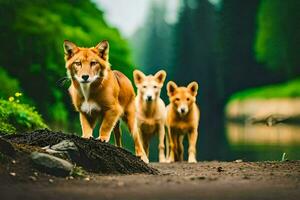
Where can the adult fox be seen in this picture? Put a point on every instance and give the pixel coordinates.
(99, 92)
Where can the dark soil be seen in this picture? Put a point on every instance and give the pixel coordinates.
(176, 181)
(204, 180)
(95, 156)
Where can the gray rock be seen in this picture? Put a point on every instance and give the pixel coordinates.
(65, 147)
(51, 164)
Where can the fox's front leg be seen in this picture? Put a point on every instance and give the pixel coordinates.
(110, 119)
(87, 124)
(161, 146)
(192, 145)
(172, 143)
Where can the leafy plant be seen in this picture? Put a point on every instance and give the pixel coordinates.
(15, 116)
(78, 172)
(284, 157)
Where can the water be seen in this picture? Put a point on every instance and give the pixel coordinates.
(260, 142)
(231, 141)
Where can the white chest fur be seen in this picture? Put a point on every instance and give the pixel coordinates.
(90, 106)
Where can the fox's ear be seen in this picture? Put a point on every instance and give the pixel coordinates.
(171, 88)
(138, 76)
(103, 48)
(160, 76)
(70, 48)
(193, 88)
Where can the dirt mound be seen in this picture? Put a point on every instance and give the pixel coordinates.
(94, 156)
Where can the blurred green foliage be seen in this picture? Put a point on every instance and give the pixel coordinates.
(16, 117)
(8, 85)
(278, 36)
(31, 48)
(289, 89)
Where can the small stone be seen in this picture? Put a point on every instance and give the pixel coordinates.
(12, 174)
(238, 161)
(51, 180)
(32, 178)
(120, 183)
(220, 169)
(86, 179)
(35, 173)
(13, 162)
(65, 145)
(69, 178)
(51, 164)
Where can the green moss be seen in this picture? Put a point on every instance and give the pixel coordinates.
(15, 117)
(290, 89)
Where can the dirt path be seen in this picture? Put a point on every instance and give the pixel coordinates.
(204, 180)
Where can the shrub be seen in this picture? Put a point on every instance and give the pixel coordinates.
(17, 117)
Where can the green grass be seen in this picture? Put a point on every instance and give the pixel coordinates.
(290, 89)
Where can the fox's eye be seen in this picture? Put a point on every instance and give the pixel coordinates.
(144, 86)
(187, 99)
(155, 86)
(93, 63)
(177, 99)
(77, 64)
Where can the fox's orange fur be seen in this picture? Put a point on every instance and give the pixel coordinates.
(182, 119)
(151, 111)
(99, 92)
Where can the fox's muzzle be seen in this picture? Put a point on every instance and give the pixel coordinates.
(183, 109)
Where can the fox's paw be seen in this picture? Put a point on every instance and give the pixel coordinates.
(169, 161)
(103, 139)
(144, 158)
(192, 160)
(163, 160)
(86, 137)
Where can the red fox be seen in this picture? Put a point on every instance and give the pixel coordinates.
(182, 118)
(151, 111)
(97, 91)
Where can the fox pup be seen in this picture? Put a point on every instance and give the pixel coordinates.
(99, 92)
(150, 108)
(182, 118)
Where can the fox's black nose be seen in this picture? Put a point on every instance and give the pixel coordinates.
(85, 77)
(182, 110)
(149, 98)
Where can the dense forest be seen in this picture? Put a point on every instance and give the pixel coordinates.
(226, 47)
